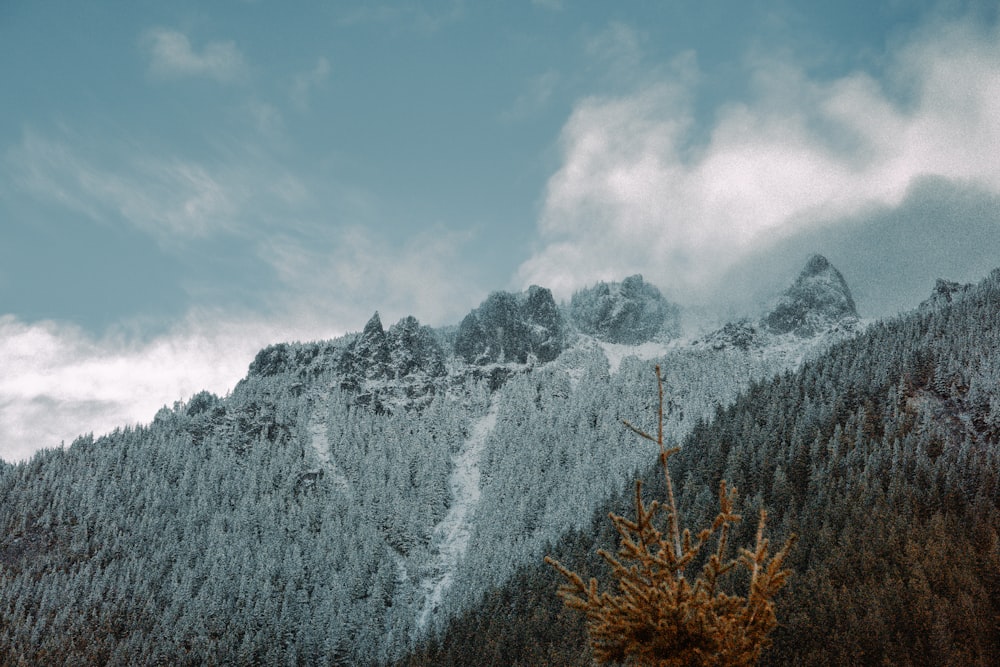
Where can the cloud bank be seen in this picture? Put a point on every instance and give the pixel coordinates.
(58, 382)
(633, 193)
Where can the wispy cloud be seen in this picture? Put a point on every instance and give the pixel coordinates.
(267, 120)
(634, 195)
(305, 82)
(171, 55)
(168, 197)
(534, 99)
(617, 52)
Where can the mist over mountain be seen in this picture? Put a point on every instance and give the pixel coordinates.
(354, 500)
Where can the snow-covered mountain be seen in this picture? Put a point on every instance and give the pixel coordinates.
(357, 493)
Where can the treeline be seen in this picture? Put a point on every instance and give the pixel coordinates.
(883, 455)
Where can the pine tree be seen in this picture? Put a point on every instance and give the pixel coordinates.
(657, 616)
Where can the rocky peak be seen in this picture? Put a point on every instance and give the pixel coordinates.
(741, 334)
(372, 346)
(405, 363)
(945, 292)
(630, 312)
(413, 348)
(510, 328)
(817, 299)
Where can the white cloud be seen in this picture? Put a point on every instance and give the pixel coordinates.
(304, 83)
(634, 195)
(57, 383)
(172, 56)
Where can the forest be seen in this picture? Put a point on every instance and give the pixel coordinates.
(881, 455)
(302, 518)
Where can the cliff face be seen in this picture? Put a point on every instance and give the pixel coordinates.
(511, 328)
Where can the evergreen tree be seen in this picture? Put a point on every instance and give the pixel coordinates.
(658, 617)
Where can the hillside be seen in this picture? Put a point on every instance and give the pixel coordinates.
(351, 499)
(882, 454)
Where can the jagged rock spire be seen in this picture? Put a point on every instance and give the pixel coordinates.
(818, 298)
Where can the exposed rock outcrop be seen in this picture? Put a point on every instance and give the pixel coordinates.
(511, 328)
(629, 312)
(818, 299)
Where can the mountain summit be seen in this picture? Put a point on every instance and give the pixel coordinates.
(818, 298)
(630, 312)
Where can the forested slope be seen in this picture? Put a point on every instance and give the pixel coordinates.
(352, 497)
(883, 455)
(345, 499)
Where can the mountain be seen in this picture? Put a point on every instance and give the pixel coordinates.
(351, 499)
(945, 292)
(817, 305)
(817, 299)
(511, 328)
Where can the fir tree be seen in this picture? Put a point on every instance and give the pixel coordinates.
(657, 616)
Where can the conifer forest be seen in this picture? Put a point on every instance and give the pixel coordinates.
(389, 497)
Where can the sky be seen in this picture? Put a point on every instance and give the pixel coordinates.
(183, 183)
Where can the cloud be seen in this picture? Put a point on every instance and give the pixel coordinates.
(168, 197)
(172, 56)
(59, 383)
(618, 46)
(634, 194)
(890, 257)
(267, 120)
(304, 83)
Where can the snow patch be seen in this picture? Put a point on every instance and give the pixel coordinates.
(451, 535)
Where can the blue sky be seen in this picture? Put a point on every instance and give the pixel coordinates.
(184, 182)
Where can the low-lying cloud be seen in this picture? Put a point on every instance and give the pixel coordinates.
(633, 194)
(58, 382)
